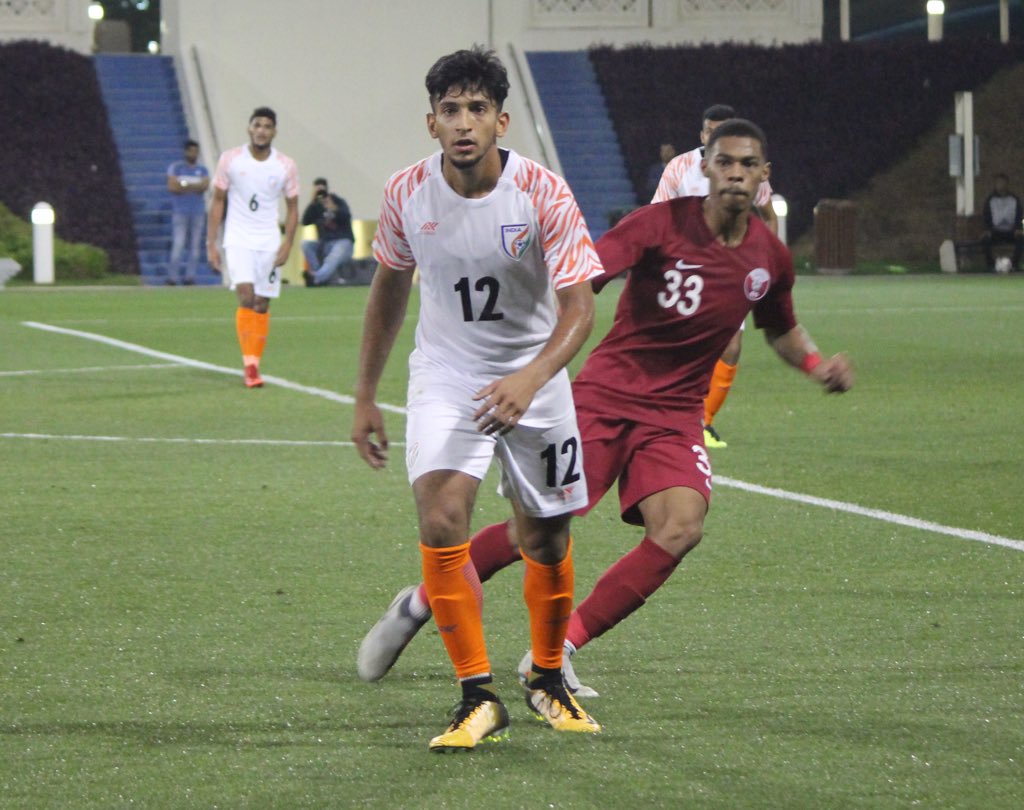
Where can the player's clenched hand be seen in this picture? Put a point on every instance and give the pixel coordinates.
(503, 402)
(366, 423)
(835, 374)
(213, 258)
(282, 254)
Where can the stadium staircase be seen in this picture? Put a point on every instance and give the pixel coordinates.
(144, 107)
(588, 148)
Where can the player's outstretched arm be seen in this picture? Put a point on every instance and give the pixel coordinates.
(835, 374)
(385, 311)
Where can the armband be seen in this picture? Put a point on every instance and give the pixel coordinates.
(810, 362)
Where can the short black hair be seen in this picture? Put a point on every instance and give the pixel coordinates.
(320, 181)
(718, 112)
(738, 128)
(477, 69)
(190, 143)
(264, 112)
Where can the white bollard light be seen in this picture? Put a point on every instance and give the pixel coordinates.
(781, 209)
(42, 243)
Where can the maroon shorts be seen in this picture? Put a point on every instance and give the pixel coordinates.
(645, 459)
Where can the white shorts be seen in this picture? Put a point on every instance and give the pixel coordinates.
(254, 267)
(541, 468)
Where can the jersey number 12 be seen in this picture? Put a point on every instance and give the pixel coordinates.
(549, 454)
(486, 284)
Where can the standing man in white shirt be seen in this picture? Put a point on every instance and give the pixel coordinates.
(683, 177)
(505, 263)
(250, 180)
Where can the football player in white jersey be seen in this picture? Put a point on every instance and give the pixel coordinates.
(684, 177)
(505, 262)
(250, 180)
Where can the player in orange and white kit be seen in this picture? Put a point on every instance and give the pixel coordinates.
(250, 180)
(505, 262)
(693, 268)
(683, 177)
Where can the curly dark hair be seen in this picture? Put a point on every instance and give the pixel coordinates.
(477, 69)
(718, 112)
(264, 112)
(738, 128)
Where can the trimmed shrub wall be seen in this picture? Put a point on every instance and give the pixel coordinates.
(835, 114)
(58, 148)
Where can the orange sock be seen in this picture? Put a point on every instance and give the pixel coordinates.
(547, 590)
(721, 382)
(456, 599)
(252, 328)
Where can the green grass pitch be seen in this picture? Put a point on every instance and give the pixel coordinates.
(188, 569)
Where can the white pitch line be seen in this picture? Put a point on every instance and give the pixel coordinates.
(782, 494)
(76, 437)
(86, 369)
(877, 514)
(200, 364)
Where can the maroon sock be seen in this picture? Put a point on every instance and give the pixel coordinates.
(491, 550)
(621, 589)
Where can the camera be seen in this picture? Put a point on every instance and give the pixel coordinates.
(321, 193)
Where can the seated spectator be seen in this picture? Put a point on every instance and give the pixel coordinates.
(1003, 216)
(335, 241)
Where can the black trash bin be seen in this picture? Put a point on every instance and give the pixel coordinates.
(834, 224)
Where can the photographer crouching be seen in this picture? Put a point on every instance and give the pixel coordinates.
(333, 247)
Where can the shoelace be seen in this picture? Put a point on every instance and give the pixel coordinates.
(557, 695)
(465, 709)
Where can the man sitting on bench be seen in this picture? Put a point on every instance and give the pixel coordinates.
(1003, 215)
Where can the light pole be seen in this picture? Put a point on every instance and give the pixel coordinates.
(781, 209)
(936, 9)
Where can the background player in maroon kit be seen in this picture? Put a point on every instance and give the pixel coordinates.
(697, 267)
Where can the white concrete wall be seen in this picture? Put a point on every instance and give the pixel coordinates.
(64, 23)
(346, 76)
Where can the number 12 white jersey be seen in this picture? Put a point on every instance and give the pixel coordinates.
(488, 266)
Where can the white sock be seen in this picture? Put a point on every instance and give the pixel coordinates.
(418, 609)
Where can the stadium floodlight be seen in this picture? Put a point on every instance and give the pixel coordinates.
(935, 7)
(781, 209)
(42, 243)
(96, 12)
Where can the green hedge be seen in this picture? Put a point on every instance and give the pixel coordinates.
(71, 260)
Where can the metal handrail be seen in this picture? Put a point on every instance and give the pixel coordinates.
(208, 113)
(535, 111)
